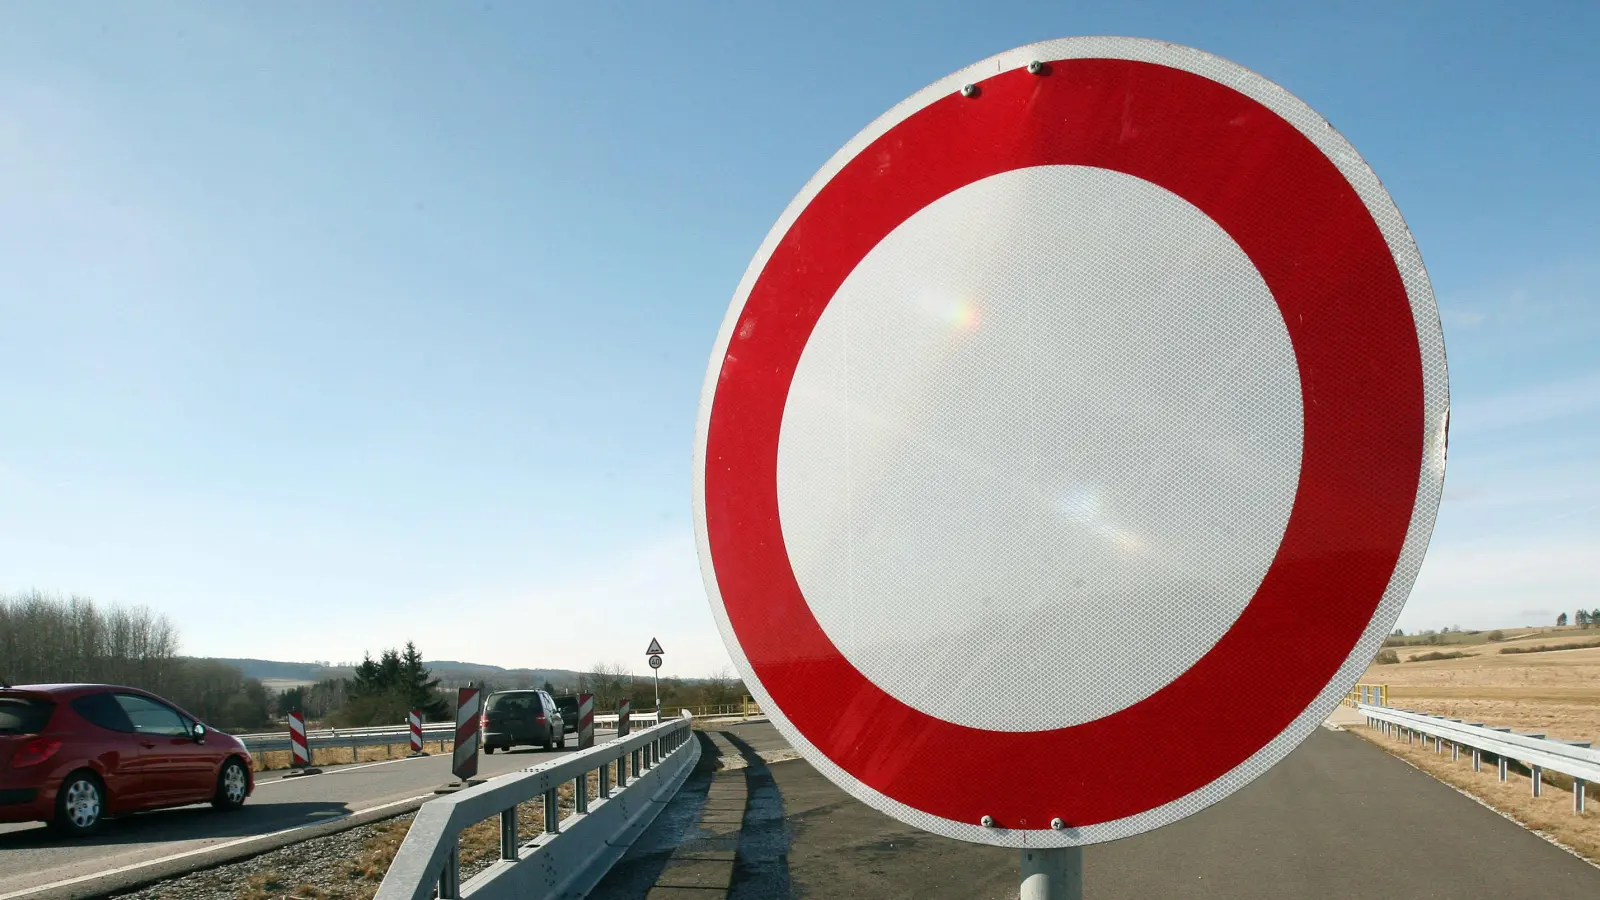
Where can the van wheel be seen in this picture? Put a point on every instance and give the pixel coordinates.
(561, 742)
(79, 804)
(488, 749)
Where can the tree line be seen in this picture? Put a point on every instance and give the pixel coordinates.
(1584, 618)
(46, 639)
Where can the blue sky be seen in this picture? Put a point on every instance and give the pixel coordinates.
(330, 326)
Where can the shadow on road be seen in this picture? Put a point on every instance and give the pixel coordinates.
(182, 824)
(722, 836)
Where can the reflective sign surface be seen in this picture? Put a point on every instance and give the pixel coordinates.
(1071, 443)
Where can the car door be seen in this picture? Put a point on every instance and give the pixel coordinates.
(117, 748)
(166, 748)
(198, 764)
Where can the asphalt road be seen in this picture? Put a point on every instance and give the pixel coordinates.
(1337, 818)
(36, 864)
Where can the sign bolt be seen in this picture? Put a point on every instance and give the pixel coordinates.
(969, 90)
(1057, 824)
(1035, 68)
(987, 821)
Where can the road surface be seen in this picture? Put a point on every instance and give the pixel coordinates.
(37, 865)
(1338, 818)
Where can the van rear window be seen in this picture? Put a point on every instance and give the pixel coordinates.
(512, 703)
(24, 715)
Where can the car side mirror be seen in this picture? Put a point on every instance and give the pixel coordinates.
(199, 733)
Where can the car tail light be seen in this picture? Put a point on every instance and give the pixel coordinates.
(34, 752)
(483, 722)
(538, 719)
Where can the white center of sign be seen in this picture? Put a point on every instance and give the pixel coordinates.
(1040, 449)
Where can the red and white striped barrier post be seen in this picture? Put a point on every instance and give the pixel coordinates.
(299, 749)
(414, 719)
(464, 762)
(585, 721)
(622, 718)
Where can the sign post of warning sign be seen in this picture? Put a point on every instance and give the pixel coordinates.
(1056, 407)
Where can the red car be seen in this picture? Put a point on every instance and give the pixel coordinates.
(71, 754)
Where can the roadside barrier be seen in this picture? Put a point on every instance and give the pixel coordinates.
(1370, 694)
(298, 748)
(469, 707)
(1538, 752)
(414, 719)
(573, 853)
(585, 721)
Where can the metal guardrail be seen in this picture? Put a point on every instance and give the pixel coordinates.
(573, 853)
(1539, 753)
(354, 737)
(633, 718)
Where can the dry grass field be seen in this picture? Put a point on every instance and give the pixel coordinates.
(1555, 691)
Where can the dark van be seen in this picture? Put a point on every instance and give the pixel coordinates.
(512, 718)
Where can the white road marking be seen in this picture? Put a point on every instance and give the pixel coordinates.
(196, 852)
(327, 772)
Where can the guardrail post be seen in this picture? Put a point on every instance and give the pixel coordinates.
(552, 812)
(508, 833)
(1502, 768)
(1577, 795)
(450, 875)
(1477, 759)
(1538, 778)
(580, 793)
(622, 771)
(605, 781)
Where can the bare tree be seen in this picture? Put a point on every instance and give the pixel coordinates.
(608, 682)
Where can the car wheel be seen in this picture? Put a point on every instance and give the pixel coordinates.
(548, 743)
(561, 742)
(488, 749)
(79, 804)
(233, 785)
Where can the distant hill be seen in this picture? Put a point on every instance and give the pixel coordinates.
(272, 670)
(450, 672)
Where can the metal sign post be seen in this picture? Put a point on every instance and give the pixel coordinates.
(655, 652)
(1091, 327)
(1052, 873)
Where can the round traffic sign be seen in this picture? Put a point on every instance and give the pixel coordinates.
(655, 662)
(1071, 443)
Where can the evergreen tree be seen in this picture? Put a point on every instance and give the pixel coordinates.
(421, 691)
(368, 679)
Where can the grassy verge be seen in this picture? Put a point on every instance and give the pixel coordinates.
(1550, 814)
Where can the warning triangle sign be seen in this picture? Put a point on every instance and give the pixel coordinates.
(655, 648)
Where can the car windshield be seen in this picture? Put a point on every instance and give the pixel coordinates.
(24, 715)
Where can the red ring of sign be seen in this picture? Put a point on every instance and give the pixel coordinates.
(1322, 255)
